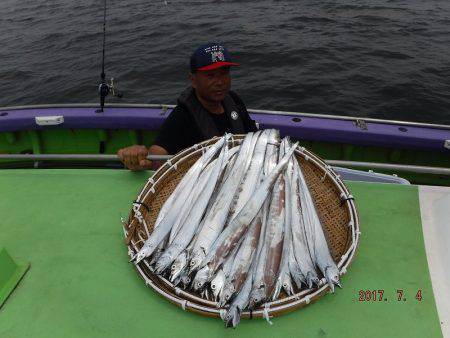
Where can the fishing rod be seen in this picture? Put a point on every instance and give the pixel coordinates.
(104, 88)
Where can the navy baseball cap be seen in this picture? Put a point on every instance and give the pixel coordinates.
(211, 56)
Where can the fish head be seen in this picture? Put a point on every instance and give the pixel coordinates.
(196, 260)
(163, 263)
(312, 279)
(186, 280)
(200, 278)
(226, 294)
(133, 257)
(176, 281)
(276, 291)
(217, 284)
(178, 266)
(287, 286)
(205, 293)
(143, 253)
(298, 282)
(257, 296)
(155, 257)
(146, 250)
(332, 277)
(233, 316)
(299, 279)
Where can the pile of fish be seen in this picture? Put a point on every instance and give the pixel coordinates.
(241, 226)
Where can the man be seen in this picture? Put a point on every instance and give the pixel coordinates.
(206, 109)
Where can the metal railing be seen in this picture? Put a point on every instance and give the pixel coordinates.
(114, 158)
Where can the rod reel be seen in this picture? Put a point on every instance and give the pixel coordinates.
(104, 89)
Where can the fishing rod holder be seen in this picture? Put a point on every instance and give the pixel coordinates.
(113, 90)
(104, 89)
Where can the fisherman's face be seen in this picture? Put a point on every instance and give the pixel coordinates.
(212, 85)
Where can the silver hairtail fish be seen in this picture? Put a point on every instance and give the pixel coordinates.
(177, 203)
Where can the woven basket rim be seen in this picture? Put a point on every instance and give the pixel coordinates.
(190, 301)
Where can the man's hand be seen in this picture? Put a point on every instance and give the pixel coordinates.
(135, 158)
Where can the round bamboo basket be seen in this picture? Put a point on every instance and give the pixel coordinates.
(333, 201)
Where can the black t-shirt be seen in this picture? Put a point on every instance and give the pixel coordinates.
(179, 130)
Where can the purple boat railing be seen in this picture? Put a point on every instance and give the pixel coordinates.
(368, 132)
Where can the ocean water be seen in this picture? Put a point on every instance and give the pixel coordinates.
(381, 58)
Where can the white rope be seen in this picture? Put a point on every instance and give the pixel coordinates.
(183, 305)
(177, 290)
(307, 299)
(152, 190)
(130, 252)
(140, 218)
(266, 313)
(343, 271)
(137, 212)
(223, 314)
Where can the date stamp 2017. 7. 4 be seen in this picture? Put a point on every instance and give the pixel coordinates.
(380, 295)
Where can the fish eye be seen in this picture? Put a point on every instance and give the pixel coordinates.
(285, 285)
(192, 263)
(227, 296)
(213, 286)
(174, 267)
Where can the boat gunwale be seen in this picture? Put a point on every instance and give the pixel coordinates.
(254, 111)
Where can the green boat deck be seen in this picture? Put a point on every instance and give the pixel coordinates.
(66, 223)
